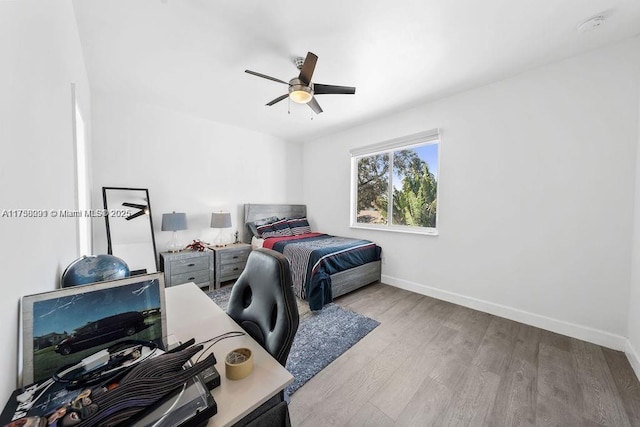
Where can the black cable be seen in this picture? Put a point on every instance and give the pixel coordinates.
(182, 346)
(232, 334)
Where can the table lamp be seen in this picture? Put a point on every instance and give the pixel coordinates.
(174, 222)
(220, 220)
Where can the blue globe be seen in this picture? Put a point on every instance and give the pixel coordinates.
(94, 268)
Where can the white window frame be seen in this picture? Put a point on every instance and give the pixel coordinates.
(82, 189)
(405, 142)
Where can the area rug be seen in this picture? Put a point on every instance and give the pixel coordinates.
(321, 338)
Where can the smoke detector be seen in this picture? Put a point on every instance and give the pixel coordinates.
(591, 24)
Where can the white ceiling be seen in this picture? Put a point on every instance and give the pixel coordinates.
(190, 55)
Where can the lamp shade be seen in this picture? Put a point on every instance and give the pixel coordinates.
(174, 221)
(220, 220)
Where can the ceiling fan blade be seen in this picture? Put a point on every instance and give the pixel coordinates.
(307, 68)
(315, 106)
(319, 89)
(135, 215)
(134, 205)
(278, 99)
(264, 76)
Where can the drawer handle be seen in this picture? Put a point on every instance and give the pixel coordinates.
(235, 269)
(190, 265)
(192, 278)
(236, 257)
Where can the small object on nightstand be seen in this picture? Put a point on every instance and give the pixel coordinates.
(197, 245)
(236, 241)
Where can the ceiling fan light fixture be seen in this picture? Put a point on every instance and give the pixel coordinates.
(299, 92)
(300, 96)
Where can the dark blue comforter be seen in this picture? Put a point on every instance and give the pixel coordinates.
(313, 259)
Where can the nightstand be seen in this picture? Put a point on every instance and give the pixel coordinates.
(187, 266)
(230, 261)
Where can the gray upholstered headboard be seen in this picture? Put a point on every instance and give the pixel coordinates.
(253, 211)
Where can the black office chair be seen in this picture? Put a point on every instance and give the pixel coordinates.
(263, 304)
(276, 416)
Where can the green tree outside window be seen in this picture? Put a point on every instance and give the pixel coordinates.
(411, 183)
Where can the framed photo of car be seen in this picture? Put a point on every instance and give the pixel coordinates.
(64, 326)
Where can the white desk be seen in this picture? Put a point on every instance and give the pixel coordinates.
(191, 314)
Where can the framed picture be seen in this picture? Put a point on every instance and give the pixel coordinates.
(64, 326)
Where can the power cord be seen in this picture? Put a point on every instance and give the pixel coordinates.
(215, 340)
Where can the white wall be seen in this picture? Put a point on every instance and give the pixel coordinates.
(633, 348)
(41, 58)
(189, 165)
(536, 195)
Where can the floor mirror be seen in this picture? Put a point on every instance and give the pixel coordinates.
(130, 228)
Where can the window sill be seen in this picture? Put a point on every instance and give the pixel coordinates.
(397, 229)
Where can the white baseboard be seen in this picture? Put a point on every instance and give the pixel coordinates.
(634, 360)
(573, 330)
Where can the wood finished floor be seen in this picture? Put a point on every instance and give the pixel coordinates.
(433, 363)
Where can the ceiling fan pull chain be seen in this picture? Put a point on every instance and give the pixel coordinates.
(289, 106)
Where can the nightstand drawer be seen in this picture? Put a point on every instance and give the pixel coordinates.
(200, 276)
(238, 256)
(180, 266)
(231, 271)
(187, 266)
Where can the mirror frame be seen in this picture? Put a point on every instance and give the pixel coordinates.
(106, 218)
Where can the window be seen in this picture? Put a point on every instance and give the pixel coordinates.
(395, 184)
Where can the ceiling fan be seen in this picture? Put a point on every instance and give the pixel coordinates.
(142, 210)
(301, 89)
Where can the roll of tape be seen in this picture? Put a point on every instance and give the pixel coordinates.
(238, 364)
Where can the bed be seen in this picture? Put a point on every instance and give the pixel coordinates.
(338, 265)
